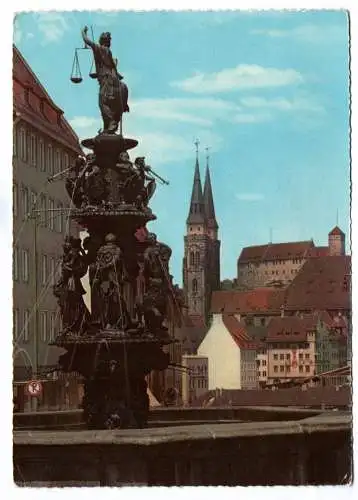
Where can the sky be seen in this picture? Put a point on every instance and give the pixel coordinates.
(266, 92)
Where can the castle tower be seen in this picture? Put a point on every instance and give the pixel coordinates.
(337, 242)
(201, 267)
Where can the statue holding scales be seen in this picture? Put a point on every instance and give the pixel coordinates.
(113, 93)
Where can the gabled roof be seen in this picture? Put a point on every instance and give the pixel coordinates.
(260, 300)
(275, 251)
(323, 283)
(34, 104)
(318, 252)
(238, 331)
(291, 328)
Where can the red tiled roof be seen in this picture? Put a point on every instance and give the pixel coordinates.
(39, 108)
(323, 283)
(263, 300)
(291, 328)
(275, 251)
(237, 330)
(318, 252)
(336, 231)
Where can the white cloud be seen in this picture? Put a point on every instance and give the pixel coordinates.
(244, 76)
(84, 122)
(51, 25)
(196, 111)
(157, 145)
(252, 117)
(281, 104)
(309, 33)
(249, 196)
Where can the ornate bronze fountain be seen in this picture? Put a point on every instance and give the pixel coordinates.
(116, 344)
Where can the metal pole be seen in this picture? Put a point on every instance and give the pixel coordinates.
(36, 351)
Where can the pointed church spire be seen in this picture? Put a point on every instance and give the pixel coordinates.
(208, 197)
(196, 211)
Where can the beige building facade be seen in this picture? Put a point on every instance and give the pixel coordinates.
(44, 145)
(231, 354)
(279, 263)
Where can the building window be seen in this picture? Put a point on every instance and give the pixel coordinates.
(25, 266)
(275, 356)
(49, 159)
(282, 356)
(197, 259)
(15, 264)
(15, 201)
(43, 323)
(52, 325)
(191, 259)
(300, 355)
(16, 323)
(307, 368)
(25, 202)
(264, 374)
(33, 200)
(59, 217)
(44, 270)
(14, 142)
(264, 362)
(51, 214)
(41, 155)
(43, 210)
(26, 325)
(282, 368)
(33, 149)
(52, 270)
(288, 369)
(300, 369)
(307, 356)
(288, 356)
(275, 369)
(195, 285)
(57, 161)
(23, 151)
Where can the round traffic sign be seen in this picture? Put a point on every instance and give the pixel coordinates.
(34, 388)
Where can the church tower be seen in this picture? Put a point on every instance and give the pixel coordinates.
(201, 262)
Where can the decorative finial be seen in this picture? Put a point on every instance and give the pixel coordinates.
(197, 142)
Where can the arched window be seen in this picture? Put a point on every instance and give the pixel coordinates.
(191, 258)
(197, 259)
(194, 285)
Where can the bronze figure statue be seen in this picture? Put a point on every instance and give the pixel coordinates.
(113, 93)
(69, 289)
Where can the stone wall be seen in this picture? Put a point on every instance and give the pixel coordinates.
(312, 451)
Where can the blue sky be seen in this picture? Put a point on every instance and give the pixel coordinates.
(267, 92)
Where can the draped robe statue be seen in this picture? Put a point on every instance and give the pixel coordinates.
(113, 93)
